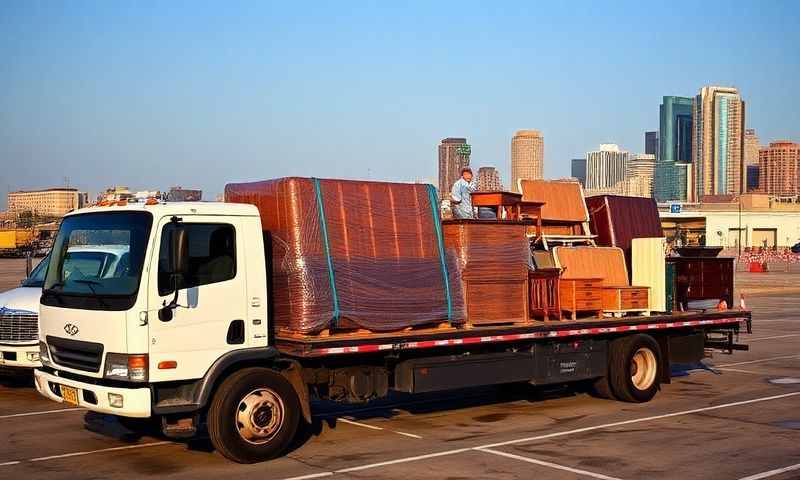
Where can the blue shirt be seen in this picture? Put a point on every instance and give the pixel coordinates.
(461, 198)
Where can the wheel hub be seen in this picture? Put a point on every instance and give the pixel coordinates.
(260, 416)
(643, 368)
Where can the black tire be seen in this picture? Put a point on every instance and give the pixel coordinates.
(601, 388)
(622, 368)
(226, 410)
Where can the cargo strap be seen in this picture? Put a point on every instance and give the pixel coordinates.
(437, 222)
(323, 224)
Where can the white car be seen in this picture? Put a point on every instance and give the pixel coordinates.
(19, 317)
(19, 308)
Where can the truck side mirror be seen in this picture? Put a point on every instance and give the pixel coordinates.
(179, 251)
(178, 267)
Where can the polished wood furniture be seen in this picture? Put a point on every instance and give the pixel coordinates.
(532, 210)
(544, 296)
(581, 295)
(491, 302)
(508, 202)
(564, 217)
(608, 264)
(493, 258)
(620, 299)
(703, 278)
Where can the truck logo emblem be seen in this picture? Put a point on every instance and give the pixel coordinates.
(71, 329)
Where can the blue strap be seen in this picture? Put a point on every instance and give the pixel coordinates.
(326, 244)
(437, 222)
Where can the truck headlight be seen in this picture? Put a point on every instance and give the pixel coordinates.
(44, 354)
(122, 366)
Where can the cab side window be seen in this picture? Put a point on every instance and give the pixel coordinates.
(212, 256)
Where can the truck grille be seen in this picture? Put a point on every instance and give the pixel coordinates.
(18, 327)
(76, 354)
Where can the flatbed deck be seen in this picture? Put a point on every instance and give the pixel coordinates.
(372, 342)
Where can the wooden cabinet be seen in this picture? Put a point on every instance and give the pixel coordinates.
(581, 295)
(545, 301)
(496, 301)
(703, 278)
(622, 299)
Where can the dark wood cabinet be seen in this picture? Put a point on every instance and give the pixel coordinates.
(703, 278)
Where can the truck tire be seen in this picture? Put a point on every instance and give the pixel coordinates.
(253, 416)
(634, 368)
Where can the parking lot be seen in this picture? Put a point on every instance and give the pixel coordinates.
(737, 418)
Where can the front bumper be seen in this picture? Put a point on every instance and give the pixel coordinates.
(20, 356)
(136, 401)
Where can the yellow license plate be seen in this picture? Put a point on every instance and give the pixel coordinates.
(69, 394)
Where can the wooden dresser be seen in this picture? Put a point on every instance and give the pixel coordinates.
(626, 298)
(581, 295)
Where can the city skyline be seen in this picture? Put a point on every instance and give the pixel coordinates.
(140, 96)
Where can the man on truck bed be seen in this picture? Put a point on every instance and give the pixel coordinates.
(461, 195)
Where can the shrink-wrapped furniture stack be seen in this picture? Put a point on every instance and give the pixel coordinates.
(354, 255)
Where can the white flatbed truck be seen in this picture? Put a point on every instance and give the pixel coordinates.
(149, 343)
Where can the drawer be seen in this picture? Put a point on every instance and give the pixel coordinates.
(634, 303)
(587, 293)
(589, 304)
(633, 293)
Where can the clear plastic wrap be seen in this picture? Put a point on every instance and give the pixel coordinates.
(493, 258)
(353, 254)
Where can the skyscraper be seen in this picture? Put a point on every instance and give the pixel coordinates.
(751, 147)
(527, 157)
(651, 143)
(675, 150)
(453, 156)
(579, 170)
(718, 141)
(606, 167)
(489, 179)
(779, 169)
(640, 174)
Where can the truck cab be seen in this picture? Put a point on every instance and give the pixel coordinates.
(113, 331)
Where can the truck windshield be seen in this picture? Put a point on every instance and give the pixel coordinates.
(97, 260)
(36, 278)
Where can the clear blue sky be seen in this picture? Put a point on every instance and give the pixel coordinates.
(153, 94)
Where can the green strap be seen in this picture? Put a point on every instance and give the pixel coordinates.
(326, 244)
(437, 222)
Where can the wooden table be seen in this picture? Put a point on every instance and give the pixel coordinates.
(500, 201)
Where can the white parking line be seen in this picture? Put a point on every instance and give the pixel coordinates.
(725, 369)
(87, 452)
(773, 337)
(373, 427)
(772, 473)
(547, 464)
(44, 412)
(542, 437)
(755, 361)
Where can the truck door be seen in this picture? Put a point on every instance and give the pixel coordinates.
(211, 316)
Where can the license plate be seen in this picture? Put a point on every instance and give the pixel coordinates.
(69, 394)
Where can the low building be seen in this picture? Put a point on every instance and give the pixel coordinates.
(180, 194)
(50, 202)
(749, 220)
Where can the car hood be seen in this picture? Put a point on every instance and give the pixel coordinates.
(22, 299)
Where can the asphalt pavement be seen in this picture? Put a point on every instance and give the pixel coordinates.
(738, 418)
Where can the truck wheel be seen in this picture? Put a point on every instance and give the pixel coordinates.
(634, 368)
(601, 388)
(253, 416)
